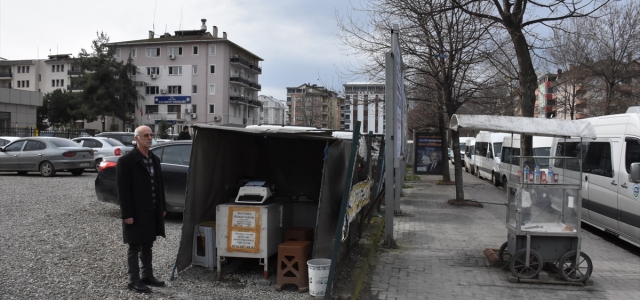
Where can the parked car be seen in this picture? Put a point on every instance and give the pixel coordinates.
(46, 155)
(103, 146)
(174, 158)
(124, 137)
(4, 140)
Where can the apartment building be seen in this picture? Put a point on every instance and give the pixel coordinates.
(545, 105)
(194, 76)
(31, 79)
(313, 105)
(273, 110)
(364, 101)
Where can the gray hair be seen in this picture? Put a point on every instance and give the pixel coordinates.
(136, 132)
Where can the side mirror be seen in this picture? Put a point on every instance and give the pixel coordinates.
(635, 172)
(1, 149)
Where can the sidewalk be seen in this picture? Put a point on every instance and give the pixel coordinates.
(440, 253)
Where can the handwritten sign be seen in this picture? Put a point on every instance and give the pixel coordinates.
(244, 240)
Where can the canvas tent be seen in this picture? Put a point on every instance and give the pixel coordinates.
(291, 159)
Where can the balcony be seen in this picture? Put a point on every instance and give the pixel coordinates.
(246, 63)
(245, 82)
(75, 72)
(74, 88)
(167, 116)
(246, 100)
(5, 75)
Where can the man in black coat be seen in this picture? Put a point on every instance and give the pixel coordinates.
(184, 135)
(142, 206)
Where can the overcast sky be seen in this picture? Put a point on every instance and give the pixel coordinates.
(296, 38)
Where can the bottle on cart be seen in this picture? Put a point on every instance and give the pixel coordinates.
(526, 173)
(550, 175)
(536, 174)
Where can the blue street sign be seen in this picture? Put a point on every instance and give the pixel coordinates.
(172, 100)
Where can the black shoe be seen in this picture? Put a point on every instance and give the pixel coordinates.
(152, 281)
(139, 287)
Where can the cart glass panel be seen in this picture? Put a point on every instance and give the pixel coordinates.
(545, 201)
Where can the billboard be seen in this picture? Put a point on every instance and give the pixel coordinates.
(428, 153)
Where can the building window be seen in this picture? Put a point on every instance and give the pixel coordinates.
(19, 83)
(61, 82)
(53, 83)
(58, 68)
(39, 77)
(212, 69)
(212, 89)
(174, 89)
(212, 49)
(151, 90)
(195, 50)
(53, 68)
(151, 109)
(134, 52)
(194, 108)
(194, 70)
(176, 51)
(153, 70)
(194, 89)
(212, 108)
(175, 70)
(117, 52)
(153, 52)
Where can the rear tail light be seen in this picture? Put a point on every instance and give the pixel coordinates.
(105, 165)
(69, 154)
(117, 152)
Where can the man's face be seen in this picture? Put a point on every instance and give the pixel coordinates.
(434, 157)
(144, 137)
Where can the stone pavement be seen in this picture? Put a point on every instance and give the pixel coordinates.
(440, 252)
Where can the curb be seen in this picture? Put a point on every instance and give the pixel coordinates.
(362, 268)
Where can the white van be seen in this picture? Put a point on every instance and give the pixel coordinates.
(610, 173)
(511, 147)
(470, 155)
(488, 149)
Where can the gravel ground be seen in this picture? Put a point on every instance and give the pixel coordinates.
(57, 241)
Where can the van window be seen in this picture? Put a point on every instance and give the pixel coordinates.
(570, 149)
(596, 157)
(497, 148)
(481, 149)
(631, 153)
(508, 153)
(542, 151)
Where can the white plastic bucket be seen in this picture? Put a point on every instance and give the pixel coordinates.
(318, 275)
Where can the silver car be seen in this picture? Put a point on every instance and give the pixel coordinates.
(46, 155)
(103, 147)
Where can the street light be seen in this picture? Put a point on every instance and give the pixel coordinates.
(102, 119)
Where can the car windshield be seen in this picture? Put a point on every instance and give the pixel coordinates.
(543, 151)
(60, 142)
(113, 142)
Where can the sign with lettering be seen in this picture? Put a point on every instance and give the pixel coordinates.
(172, 100)
(243, 229)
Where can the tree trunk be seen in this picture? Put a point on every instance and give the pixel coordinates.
(455, 145)
(443, 135)
(528, 83)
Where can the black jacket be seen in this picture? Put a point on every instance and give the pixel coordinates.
(134, 195)
(184, 135)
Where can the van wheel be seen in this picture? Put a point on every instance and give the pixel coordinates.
(472, 171)
(478, 173)
(503, 182)
(494, 180)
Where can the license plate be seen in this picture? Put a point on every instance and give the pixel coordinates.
(85, 164)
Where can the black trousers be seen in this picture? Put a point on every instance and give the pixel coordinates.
(144, 253)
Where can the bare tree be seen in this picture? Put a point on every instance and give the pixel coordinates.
(442, 52)
(603, 51)
(515, 16)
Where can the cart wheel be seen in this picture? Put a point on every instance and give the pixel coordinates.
(503, 255)
(518, 266)
(570, 271)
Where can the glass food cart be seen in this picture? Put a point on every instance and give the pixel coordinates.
(543, 219)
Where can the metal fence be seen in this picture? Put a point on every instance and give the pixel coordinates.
(27, 132)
